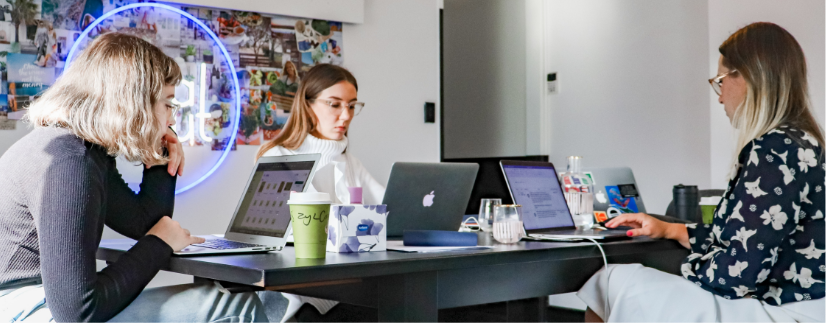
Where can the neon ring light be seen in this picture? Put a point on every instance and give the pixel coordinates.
(215, 39)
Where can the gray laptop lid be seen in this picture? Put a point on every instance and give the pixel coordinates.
(262, 215)
(427, 196)
(615, 187)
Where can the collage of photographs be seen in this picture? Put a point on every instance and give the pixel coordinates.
(270, 54)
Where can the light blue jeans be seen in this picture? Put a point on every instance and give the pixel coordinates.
(179, 303)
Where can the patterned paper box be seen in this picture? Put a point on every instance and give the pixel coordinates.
(357, 228)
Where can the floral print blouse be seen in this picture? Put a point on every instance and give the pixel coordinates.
(767, 237)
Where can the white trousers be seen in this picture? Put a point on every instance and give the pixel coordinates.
(622, 293)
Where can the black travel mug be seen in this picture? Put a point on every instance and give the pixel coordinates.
(687, 202)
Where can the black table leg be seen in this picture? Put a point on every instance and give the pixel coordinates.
(408, 298)
(527, 310)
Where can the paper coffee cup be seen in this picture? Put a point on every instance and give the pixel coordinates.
(708, 206)
(310, 213)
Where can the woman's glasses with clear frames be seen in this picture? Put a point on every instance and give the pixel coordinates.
(174, 108)
(717, 81)
(335, 105)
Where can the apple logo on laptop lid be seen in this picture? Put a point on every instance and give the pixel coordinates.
(428, 199)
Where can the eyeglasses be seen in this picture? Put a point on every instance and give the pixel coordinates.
(717, 81)
(174, 108)
(335, 106)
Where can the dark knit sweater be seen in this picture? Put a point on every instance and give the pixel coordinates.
(56, 193)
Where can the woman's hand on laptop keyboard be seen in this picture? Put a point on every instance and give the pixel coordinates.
(170, 231)
(646, 225)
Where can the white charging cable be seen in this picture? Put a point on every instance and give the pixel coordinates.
(604, 259)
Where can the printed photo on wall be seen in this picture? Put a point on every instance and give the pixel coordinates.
(249, 130)
(319, 41)
(26, 81)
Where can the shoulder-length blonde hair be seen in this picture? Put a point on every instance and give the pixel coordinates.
(302, 119)
(777, 92)
(107, 95)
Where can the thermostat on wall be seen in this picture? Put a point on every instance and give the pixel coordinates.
(552, 83)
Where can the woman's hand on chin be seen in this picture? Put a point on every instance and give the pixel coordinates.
(646, 225)
(176, 153)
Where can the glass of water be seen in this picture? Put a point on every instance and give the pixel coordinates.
(486, 213)
(507, 223)
(581, 206)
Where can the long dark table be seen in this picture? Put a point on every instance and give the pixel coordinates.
(414, 286)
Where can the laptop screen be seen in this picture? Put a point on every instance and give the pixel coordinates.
(537, 189)
(264, 210)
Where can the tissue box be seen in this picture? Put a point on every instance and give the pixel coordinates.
(357, 228)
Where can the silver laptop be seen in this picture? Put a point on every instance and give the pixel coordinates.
(428, 196)
(262, 218)
(616, 189)
(545, 215)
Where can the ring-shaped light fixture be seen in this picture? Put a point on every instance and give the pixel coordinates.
(212, 35)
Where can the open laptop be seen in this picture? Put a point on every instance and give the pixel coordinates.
(545, 214)
(615, 187)
(427, 196)
(262, 218)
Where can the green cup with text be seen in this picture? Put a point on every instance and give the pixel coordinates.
(707, 206)
(309, 214)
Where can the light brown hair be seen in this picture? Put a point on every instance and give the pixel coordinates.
(106, 97)
(302, 119)
(777, 92)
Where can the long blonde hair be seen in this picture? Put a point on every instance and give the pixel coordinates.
(107, 95)
(302, 119)
(774, 68)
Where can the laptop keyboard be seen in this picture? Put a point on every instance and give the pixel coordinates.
(221, 244)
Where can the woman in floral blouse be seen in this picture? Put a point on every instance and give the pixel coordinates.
(761, 259)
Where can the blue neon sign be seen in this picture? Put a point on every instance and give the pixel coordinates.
(224, 51)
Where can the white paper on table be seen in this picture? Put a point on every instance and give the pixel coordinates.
(399, 246)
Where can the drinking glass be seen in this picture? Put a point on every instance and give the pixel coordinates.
(581, 206)
(507, 223)
(485, 217)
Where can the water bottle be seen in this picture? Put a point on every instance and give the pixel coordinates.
(686, 202)
(579, 193)
(574, 180)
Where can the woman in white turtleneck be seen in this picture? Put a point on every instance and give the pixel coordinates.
(324, 105)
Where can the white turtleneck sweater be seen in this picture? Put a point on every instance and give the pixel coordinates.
(336, 170)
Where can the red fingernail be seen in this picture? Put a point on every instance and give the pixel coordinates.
(629, 233)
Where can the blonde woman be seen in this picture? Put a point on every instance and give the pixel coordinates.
(762, 257)
(59, 186)
(326, 102)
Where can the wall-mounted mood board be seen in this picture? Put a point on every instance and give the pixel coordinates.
(270, 53)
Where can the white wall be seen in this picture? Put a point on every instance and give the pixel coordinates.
(804, 19)
(632, 90)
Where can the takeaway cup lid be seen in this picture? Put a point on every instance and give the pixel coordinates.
(309, 198)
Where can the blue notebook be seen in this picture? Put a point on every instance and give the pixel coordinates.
(436, 238)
